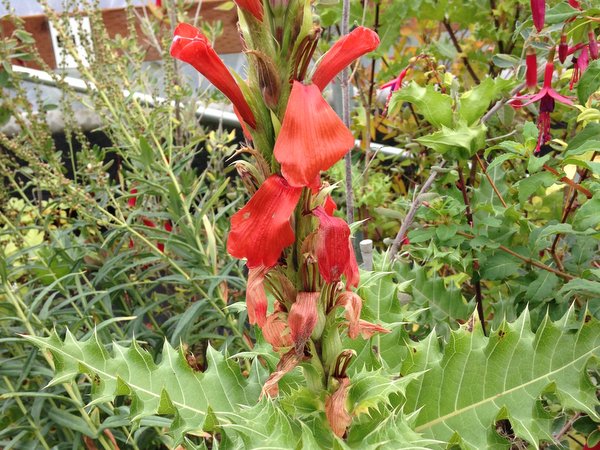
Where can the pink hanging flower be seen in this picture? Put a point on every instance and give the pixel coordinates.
(546, 91)
(579, 66)
(593, 45)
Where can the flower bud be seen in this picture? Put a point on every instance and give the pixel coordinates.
(563, 49)
(531, 69)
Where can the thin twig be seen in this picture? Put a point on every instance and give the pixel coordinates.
(459, 50)
(568, 181)
(410, 216)
(500, 103)
(346, 117)
(567, 426)
(487, 175)
(533, 262)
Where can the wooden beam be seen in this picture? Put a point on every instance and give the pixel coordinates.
(115, 20)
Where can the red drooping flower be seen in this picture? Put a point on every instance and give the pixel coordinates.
(358, 42)
(593, 45)
(538, 12)
(336, 409)
(579, 66)
(394, 85)
(254, 7)
(546, 91)
(563, 49)
(546, 107)
(191, 46)
(574, 4)
(531, 68)
(261, 229)
(312, 136)
(276, 331)
(352, 303)
(335, 255)
(302, 318)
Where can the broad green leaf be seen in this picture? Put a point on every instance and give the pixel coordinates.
(579, 285)
(589, 82)
(475, 102)
(460, 142)
(586, 140)
(542, 287)
(588, 215)
(474, 381)
(170, 387)
(499, 266)
(435, 107)
(560, 13)
(528, 186)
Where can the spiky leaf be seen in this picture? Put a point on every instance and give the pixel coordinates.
(475, 381)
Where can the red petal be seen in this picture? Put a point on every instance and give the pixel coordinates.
(254, 7)
(303, 318)
(261, 229)
(191, 46)
(349, 47)
(312, 136)
(286, 364)
(329, 205)
(276, 331)
(256, 298)
(334, 251)
(133, 199)
(531, 66)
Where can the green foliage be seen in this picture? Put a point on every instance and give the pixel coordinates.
(473, 381)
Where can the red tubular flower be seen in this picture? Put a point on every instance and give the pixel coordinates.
(302, 318)
(312, 136)
(531, 69)
(358, 42)
(574, 4)
(261, 229)
(593, 45)
(579, 66)
(191, 46)
(563, 49)
(254, 7)
(546, 91)
(335, 255)
(538, 12)
(133, 199)
(394, 85)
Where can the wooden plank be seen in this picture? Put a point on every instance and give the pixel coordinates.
(115, 20)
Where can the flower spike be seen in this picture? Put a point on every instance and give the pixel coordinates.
(358, 42)
(261, 229)
(191, 46)
(312, 137)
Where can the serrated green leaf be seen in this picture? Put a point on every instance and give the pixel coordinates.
(475, 102)
(170, 387)
(499, 266)
(474, 380)
(460, 142)
(435, 107)
(589, 82)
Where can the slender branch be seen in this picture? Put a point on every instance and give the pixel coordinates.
(410, 216)
(500, 103)
(459, 50)
(568, 181)
(533, 262)
(346, 117)
(475, 278)
(567, 426)
(494, 187)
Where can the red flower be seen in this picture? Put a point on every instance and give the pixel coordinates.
(531, 69)
(335, 255)
(579, 66)
(302, 318)
(538, 12)
(546, 91)
(276, 331)
(563, 49)
(256, 298)
(312, 136)
(254, 7)
(261, 229)
(358, 42)
(133, 199)
(336, 409)
(191, 46)
(593, 45)
(574, 4)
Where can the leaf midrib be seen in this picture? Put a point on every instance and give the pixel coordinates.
(442, 419)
